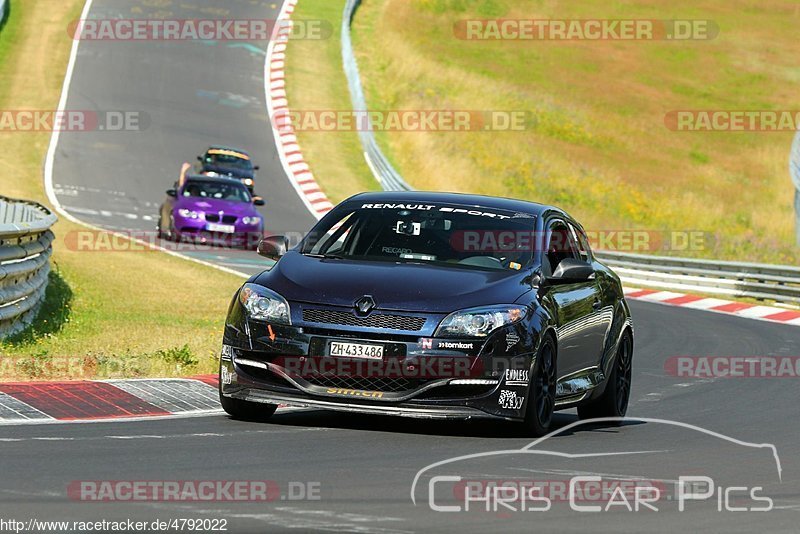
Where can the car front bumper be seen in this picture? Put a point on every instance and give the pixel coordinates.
(197, 230)
(417, 376)
(419, 411)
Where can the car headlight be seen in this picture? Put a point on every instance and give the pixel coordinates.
(261, 303)
(479, 322)
(248, 181)
(211, 174)
(189, 214)
(251, 220)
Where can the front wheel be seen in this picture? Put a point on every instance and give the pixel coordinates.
(542, 390)
(169, 234)
(245, 410)
(614, 400)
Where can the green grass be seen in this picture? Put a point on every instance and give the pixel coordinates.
(596, 142)
(315, 81)
(106, 314)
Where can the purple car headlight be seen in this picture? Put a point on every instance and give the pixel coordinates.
(263, 304)
(189, 214)
(251, 221)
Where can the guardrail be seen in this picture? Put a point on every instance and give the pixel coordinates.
(25, 250)
(758, 281)
(765, 282)
(386, 175)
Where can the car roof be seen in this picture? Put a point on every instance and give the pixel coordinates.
(228, 149)
(218, 179)
(461, 199)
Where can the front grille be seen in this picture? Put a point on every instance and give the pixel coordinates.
(457, 392)
(226, 219)
(375, 320)
(384, 384)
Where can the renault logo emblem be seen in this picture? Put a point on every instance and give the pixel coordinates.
(365, 304)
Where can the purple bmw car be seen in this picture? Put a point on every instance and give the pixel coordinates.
(216, 210)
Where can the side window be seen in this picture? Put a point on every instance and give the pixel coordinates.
(561, 244)
(582, 243)
(334, 240)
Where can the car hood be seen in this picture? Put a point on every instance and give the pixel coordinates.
(231, 171)
(212, 205)
(394, 286)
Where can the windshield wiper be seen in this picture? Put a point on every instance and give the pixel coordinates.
(325, 256)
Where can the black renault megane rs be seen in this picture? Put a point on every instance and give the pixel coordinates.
(432, 305)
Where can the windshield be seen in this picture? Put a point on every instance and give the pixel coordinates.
(216, 190)
(226, 159)
(454, 236)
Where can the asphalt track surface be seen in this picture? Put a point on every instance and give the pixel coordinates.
(202, 93)
(189, 95)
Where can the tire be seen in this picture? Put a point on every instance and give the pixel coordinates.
(245, 410)
(159, 229)
(170, 234)
(161, 233)
(614, 400)
(542, 390)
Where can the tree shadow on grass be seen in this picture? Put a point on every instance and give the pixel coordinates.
(53, 314)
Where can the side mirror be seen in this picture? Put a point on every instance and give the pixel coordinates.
(571, 270)
(256, 167)
(258, 201)
(273, 247)
(199, 158)
(172, 193)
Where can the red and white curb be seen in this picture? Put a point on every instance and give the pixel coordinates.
(289, 152)
(85, 400)
(739, 309)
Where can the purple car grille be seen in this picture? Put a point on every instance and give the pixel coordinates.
(214, 218)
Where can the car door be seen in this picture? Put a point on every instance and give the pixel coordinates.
(603, 306)
(575, 304)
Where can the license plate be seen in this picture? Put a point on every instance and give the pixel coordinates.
(224, 228)
(357, 350)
